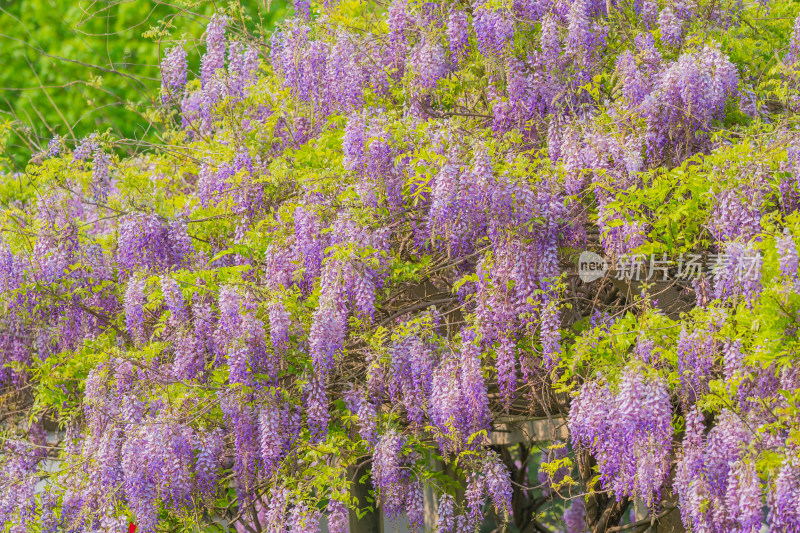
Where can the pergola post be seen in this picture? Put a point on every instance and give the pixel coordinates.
(371, 521)
(431, 499)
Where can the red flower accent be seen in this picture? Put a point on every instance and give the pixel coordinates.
(131, 528)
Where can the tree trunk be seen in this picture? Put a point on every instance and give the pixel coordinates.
(602, 510)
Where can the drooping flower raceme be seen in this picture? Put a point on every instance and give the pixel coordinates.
(629, 433)
(494, 30)
(739, 274)
(134, 309)
(390, 472)
(717, 487)
(173, 74)
(429, 62)
(670, 26)
(688, 95)
(458, 35)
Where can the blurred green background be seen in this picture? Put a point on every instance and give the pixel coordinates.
(71, 67)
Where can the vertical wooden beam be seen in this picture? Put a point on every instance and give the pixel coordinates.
(431, 499)
(371, 522)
